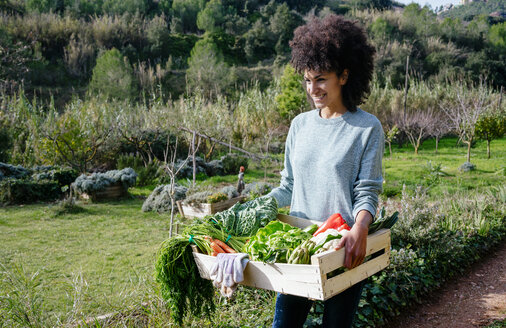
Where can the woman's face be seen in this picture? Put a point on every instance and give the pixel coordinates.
(325, 89)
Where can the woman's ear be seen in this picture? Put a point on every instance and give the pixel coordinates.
(344, 76)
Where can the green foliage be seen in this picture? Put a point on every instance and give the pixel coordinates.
(497, 35)
(207, 70)
(292, 99)
(233, 162)
(14, 191)
(212, 16)
(113, 77)
(476, 8)
(146, 174)
(119, 7)
(63, 176)
(490, 126)
(245, 219)
(274, 242)
(187, 11)
(217, 197)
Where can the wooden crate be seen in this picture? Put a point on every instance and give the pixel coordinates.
(111, 192)
(201, 210)
(310, 280)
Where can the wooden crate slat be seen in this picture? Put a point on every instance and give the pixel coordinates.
(331, 260)
(339, 283)
(201, 210)
(297, 273)
(297, 222)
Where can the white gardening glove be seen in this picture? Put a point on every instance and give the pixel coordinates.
(227, 271)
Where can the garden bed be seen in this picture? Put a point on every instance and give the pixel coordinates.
(114, 191)
(203, 209)
(321, 279)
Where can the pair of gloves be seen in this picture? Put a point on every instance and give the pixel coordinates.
(227, 272)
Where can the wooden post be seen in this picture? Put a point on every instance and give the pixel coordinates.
(406, 87)
(194, 162)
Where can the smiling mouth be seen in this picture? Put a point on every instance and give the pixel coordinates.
(319, 98)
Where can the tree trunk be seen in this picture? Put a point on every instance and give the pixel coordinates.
(173, 180)
(390, 148)
(437, 143)
(469, 150)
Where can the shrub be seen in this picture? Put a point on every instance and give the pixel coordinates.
(63, 176)
(146, 175)
(197, 198)
(113, 77)
(214, 167)
(15, 191)
(159, 200)
(256, 189)
(230, 191)
(14, 172)
(233, 162)
(99, 181)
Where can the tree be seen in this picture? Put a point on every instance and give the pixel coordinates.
(464, 109)
(113, 77)
(292, 99)
(213, 16)
(416, 126)
(207, 70)
(15, 58)
(390, 133)
(439, 128)
(187, 11)
(491, 125)
(497, 35)
(76, 136)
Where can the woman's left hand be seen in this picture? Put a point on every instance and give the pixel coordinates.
(355, 242)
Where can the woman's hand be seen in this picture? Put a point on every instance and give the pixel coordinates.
(355, 242)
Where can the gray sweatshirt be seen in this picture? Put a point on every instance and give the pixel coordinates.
(332, 166)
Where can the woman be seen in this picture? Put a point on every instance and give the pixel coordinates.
(333, 153)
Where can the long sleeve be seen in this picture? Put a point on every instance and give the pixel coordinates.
(369, 182)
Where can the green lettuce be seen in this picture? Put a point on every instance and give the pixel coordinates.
(274, 242)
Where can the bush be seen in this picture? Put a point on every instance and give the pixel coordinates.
(159, 200)
(233, 162)
(256, 189)
(14, 172)
(99, 181)
(113, 77)
(146, 175)
(63, 176)
(15, 191)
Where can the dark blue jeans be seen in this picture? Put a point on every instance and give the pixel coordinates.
(339, 311)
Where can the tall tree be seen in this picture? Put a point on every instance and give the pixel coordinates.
(207, 69)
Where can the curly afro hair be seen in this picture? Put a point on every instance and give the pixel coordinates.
(333, 44)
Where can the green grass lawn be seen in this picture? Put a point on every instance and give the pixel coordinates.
(404, 167)
(102, 260)
(111, 246)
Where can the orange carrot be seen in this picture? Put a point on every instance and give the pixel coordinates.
(225, 247)
(217, 248)
(214, 254)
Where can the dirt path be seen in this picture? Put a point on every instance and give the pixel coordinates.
(473, 300)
